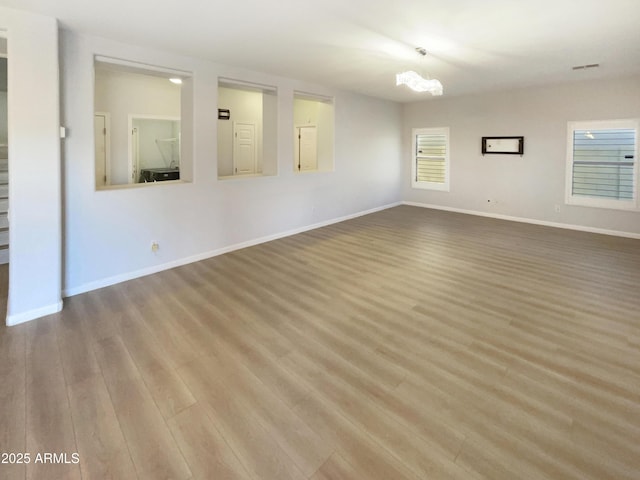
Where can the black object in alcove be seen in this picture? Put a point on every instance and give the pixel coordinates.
(159, 174)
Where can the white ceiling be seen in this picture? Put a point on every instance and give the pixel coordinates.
(359, 45)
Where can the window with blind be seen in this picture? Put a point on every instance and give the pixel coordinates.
(602, 165)
(430, 158)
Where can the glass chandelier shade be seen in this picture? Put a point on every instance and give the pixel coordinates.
(417, 83)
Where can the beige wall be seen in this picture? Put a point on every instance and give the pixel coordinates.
(530, 186)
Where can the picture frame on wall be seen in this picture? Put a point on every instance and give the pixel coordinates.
(503, 145)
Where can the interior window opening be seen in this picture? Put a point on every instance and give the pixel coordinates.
(247, 129)
(313, 117)
(140, 135)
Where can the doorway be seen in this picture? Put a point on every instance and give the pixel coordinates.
(244, 148)
(313, 133)
(103, 165)
(307, 151)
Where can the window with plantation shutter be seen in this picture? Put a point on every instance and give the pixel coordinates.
(602, 164)
(430, 158)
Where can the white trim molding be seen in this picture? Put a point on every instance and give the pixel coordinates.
(23, 317)
(533, 221)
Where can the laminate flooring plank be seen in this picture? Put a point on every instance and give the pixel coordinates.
(258, 357)
(557, 389)
(167, 332)
(95, 313)
(425, 423)
(153, 449)
(101, 444)
(235, 304)
(348, 350)
(205, 449)
(76, 354)
(337, 468)
(262, 457)
(13, 398)
(426, 459)
(355, 445)
(405, 344)
(154, 364)
(301, 444)
(515, 435)
(194, 328)
(48, 415)
(167, 389)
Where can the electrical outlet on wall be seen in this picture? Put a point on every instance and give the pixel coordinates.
(557, 208)
(155, 246)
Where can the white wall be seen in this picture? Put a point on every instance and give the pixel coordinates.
(106, 240)
(530, 186)
(34, 165)
(122, 94)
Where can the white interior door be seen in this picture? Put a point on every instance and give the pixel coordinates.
(307, 148)
(244, 148)
(100, 131)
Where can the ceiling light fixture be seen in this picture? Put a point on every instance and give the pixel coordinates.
(417, 82)
(177, 81)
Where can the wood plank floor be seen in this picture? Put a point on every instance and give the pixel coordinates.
(406, 344)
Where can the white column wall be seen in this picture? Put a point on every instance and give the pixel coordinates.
(34, 165)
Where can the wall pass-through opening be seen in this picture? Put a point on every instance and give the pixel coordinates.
(247, 129)
(313, 118)
(142, 130)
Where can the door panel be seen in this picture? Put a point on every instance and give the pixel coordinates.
(308, 148)
(100, 129)
(244, 148)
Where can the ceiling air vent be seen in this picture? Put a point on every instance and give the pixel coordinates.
(584, 67)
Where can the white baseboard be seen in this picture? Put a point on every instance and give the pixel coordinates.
(105, 282)
(23, 317)
(533, 221)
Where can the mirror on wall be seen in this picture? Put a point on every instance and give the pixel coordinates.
(137, 123)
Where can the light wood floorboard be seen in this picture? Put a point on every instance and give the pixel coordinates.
(406, 344)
